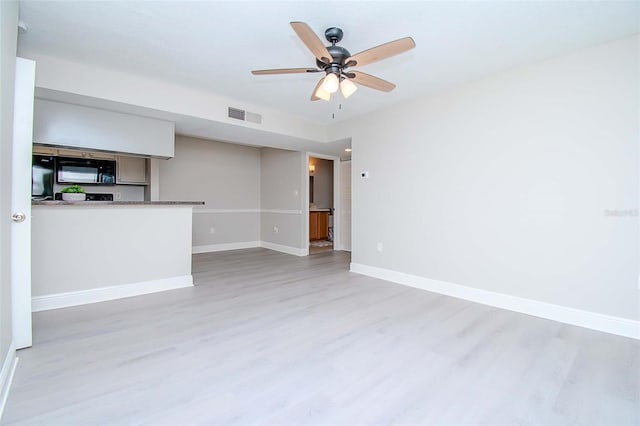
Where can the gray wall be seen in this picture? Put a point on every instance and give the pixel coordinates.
(226, 177)
(322, 182)
(282, 183)
(129, 244)
(505, 184)
(8, 39)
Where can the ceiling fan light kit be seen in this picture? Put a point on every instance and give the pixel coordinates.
(335, 60)
(321, 93)
(347, 88)
(331, 83)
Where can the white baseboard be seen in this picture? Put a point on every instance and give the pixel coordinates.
(210, 248)
(285, 249)
(6, 376)
(94, 295)
(593, 320)
(250, 244)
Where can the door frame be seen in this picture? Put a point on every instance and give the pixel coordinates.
(337, 209)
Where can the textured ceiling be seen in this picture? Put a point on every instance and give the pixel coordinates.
(213, 46)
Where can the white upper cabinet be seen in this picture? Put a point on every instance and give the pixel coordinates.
(131, 170)
(74, 126)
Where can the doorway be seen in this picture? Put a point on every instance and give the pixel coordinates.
(321, 205)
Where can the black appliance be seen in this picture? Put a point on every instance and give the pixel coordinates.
(42, 171)
(91, 197)
(85, 171)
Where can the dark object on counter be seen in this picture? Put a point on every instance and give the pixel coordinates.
(42, 171)
(91, 197)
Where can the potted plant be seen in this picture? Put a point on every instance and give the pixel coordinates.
(73, 193)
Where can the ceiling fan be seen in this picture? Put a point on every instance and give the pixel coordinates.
(335, 60)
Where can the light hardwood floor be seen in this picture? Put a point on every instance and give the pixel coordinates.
(268, 338)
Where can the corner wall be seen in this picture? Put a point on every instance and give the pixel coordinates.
(524, 184)
(227, 178)
(282, 184)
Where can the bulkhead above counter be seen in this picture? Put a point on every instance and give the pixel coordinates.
(76, 126)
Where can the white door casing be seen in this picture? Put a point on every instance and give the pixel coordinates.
(21, 202)
(337, 209)
(345, 194)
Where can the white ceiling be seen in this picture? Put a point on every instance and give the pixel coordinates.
(213, 46)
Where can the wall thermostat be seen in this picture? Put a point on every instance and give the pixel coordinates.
(364, 175)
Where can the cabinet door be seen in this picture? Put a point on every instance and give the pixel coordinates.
(101, 156)
(323, 226)
(313, 226)
(132, 170)
(71, 153)
(44, 150)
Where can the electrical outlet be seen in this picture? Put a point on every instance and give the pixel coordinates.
(276, 229)
(295, 192)
(212, 230)
(118, 195)
(379, 247)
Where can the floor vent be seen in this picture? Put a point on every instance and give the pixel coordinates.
(240, 114)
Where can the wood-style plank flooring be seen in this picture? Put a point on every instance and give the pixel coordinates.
(268, 338)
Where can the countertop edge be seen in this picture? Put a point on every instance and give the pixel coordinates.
(117, 203)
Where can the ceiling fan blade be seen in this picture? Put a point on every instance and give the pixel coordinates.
(285, 71)
(372, 82)
(315, 89)
(382, 51)
(312, 41)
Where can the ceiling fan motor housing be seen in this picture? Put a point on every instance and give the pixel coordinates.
(339, 55)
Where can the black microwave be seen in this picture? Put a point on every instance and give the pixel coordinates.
(87, 171)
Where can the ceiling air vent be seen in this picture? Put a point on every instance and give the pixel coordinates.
(240, 114)
(253, 117)
(236, 113)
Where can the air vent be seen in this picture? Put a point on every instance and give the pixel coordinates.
(253, 117)
(236, 113)
(240, 114)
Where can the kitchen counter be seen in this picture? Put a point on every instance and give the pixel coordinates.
(116, 203)
(91, 251)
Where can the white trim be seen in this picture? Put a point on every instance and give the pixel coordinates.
(210, 248)
(6, 375)
(281, 211)
(593, 320)
(226, 210)
(285, 249)
(250, 244)
(94, 295)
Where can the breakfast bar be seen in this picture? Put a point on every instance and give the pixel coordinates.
(85, 252)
